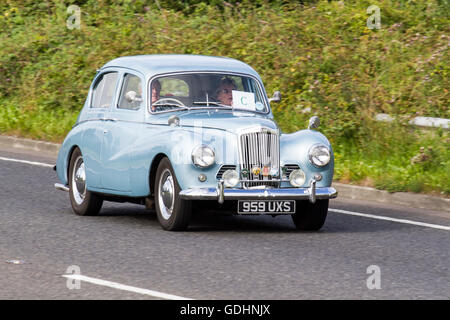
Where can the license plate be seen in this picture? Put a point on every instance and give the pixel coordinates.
(266, 207)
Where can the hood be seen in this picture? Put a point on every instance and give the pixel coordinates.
(227, 120)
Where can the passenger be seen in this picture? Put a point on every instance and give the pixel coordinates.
(223, 93)
(156, 89)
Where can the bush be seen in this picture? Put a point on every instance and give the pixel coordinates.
(319, 54)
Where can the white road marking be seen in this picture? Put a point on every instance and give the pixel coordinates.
(119, 286)
(422, 224)
(365, 215)
(28, 162)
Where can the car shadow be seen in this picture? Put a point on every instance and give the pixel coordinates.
(334, 224)
(217, 222)
(201, 221)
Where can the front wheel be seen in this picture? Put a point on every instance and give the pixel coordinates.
(173, 213)
(83, 201)
(310, 216)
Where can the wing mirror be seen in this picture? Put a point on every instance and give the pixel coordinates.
(314, 122)
(276, 97)
(132, 96)
(174, 121)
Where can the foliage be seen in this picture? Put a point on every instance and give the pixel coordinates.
(319, 54)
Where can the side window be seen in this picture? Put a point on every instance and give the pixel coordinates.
(104, 91)
(131, 93)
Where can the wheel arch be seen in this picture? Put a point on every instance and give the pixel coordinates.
(153, 167)
(69, 156)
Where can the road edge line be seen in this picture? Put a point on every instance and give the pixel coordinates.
(119, 286)
(34, 163)
(405, 221)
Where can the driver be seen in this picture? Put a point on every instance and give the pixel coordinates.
(156, 89)
(224, 93)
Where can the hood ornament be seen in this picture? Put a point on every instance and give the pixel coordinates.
(314, 122)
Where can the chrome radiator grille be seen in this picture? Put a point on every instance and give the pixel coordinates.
(259, 149)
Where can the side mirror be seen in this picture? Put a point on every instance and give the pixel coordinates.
(314, 122)
(174, 121)
(276, 97)
(131, 96)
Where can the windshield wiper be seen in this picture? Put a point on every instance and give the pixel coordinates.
(168, 103)
(211, 102)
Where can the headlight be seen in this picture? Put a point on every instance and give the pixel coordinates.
(203, 156)
(297, 178)
(319, 155)
(230, 178)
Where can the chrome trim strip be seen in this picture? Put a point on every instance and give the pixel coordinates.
(273, 180)
(60, 186)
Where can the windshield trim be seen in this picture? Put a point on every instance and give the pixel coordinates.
(259, 84)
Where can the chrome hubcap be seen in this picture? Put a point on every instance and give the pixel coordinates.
(166, 195)
(79, 181)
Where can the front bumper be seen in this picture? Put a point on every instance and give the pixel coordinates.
(220, 193)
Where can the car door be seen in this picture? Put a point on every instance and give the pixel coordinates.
(122, 126)
(101, 98)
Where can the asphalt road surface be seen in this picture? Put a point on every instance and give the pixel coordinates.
(124, 253)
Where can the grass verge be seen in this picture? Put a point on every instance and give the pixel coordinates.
(320, 55)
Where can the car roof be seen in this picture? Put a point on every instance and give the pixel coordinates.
(155, 64)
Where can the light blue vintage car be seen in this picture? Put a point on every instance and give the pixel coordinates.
(183, 133)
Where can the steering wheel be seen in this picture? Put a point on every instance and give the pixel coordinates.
(168, 101)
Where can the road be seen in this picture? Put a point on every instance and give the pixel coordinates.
(219, 257)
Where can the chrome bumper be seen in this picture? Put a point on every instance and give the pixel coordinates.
(220, 193)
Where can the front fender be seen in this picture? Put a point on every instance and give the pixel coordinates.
(225, 148)
(177, 143)
(294, 150)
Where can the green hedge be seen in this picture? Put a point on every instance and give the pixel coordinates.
(319, 54)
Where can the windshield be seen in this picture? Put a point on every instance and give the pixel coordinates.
(206, 90)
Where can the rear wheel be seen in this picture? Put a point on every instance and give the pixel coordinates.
(310, 216)
(173, 213)
(83, 201)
